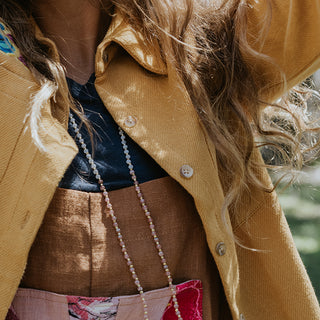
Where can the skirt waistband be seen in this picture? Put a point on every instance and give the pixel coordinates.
(30, 304)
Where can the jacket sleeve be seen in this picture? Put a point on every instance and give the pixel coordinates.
(291, 41)
(273, 280)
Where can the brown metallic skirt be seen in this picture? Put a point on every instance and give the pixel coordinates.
(76, 251)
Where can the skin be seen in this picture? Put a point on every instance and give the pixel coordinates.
(76, 27)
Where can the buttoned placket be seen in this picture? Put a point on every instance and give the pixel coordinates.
(132, 123)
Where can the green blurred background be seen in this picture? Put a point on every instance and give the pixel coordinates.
(301, 205)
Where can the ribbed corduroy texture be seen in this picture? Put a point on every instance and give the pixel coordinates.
(263, 286)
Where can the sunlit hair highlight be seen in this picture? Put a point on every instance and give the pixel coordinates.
(205, 41)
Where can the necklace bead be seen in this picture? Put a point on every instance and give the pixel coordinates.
(110, 213)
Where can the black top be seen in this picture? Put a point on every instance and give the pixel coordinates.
(108, 153)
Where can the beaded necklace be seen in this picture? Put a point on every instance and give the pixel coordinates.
(110, 213)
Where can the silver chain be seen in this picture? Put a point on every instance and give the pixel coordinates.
(110, 213)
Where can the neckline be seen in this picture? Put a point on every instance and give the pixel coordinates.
(79, 90)
(90, 81)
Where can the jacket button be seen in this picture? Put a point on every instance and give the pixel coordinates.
(186, 171)
(242, 317)
(130, 122)
(221, 250)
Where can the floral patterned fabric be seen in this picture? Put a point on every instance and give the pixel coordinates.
(189, 296)
(7, 44)
(92, 308)
(30, 304)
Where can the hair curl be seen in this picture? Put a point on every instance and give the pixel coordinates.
(205, 42)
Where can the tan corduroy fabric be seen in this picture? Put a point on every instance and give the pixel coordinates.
(76, 251)
(135, 82)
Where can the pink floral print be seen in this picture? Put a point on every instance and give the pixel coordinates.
(85, 308)
(189, 297)
(31, 304)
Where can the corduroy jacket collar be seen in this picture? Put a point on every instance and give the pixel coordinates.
(146, 53)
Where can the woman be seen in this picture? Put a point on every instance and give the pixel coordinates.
(186, 81)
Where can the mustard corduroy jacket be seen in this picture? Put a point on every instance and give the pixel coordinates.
(133, 81)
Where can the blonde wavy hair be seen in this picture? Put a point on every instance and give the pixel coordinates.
(205, 42)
